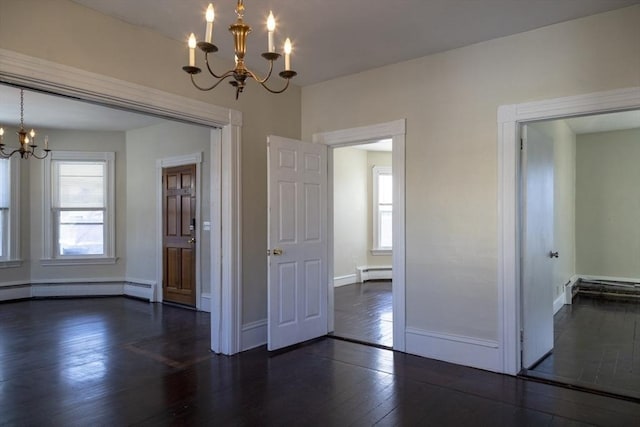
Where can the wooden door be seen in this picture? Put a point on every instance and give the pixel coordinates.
(297, 276)
(537, 246)
(178, 239)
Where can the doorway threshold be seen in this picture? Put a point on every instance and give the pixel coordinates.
(357, 341)
(529, 375)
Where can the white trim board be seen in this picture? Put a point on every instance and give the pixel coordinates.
(374, 272)
(342, 138)
(254, 334)
(477, 353)
(510, 118)
(348, 279)
(225, 187)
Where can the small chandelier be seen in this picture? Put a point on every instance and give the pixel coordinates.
(27, 140)
(240, 73)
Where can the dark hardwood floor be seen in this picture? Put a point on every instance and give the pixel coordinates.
(596, 345)
(364, 312)
(118, 361)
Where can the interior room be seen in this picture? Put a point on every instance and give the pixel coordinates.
(223, 313)
(362, 239)
(597, 238)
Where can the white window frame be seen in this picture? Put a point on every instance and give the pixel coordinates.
(377, 249)
(50, 255)
(12, 226)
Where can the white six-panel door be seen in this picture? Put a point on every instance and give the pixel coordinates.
(297, 239)
(537, 246)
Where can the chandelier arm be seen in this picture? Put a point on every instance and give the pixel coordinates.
(220, 80)
(33, 153)
(255, 77)
(276, 91)
(206, 60)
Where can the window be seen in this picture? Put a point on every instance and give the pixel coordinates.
(382, 210)
(80, 208)
(9, 206)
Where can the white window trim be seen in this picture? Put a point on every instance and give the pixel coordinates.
(377, 171)
(49, 256)
(13, 226)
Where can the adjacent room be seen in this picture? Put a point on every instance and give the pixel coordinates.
(595, 275)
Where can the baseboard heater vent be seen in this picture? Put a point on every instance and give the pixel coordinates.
(610, 289)
(378, 272)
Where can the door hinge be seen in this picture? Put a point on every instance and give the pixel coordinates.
(521, 143)
(521, 336)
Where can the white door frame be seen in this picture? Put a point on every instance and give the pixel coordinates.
(344, 138)
(510, 119)
(226, 273)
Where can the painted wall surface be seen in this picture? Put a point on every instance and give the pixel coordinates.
(144, 147)
(564, 201)
(607, 204)
(86, 141)
(73, 35)
(374, 158)
(350, 207)
(450, 104)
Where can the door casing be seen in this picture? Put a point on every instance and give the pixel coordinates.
(510, 119)
(353, 136)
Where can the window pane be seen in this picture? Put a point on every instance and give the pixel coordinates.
(81, 184)
(81, 233)
(385, 188)
(4, 183)
(386, 227)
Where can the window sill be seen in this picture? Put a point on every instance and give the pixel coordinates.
(11, 263)
(381, 252)
(78, 261)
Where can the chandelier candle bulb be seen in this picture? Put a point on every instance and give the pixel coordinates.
(46, 142)
(287, 54)
(192, 50)
(271, 27)
(209, 16)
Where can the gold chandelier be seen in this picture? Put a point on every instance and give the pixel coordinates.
(27, 140)
(240, 73)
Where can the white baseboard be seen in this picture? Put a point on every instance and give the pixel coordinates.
(139, 290)
(349, 279)
(474, 352)
(15, 291)
(559, 302)
(609, 278)
(205, 302)
(76, 289)
(373, 272)
(253, 335)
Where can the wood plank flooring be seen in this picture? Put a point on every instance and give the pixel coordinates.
(118, 361)
(364, 312)
(596, 345)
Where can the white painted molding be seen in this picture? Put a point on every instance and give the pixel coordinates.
(15, 292)
(138, 290)
(47, 262)
(587, 277)
(77, 289)
(345, 280)
(31, 72)
(510, 118)
(345, 137)
(11, 264)
(559, 302)
(478, 353)
(254, 334)
(205, 302)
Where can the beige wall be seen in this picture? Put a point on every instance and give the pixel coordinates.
(79, 141)
(70, 34)
(144, 147)
(607, 204)
(350, 207)
(564, 201)
(374, 158)
(450, 103)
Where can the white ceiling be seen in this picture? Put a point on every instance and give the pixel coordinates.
(605, 122)
(338, 37)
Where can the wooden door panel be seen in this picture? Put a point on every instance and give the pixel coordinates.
(179, 204)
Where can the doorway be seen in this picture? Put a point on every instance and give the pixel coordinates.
(363, 242)
(178, 235)
(592, 285)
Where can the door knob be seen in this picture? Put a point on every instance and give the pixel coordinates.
(192, 240)
(553, 254)
(277, 251)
